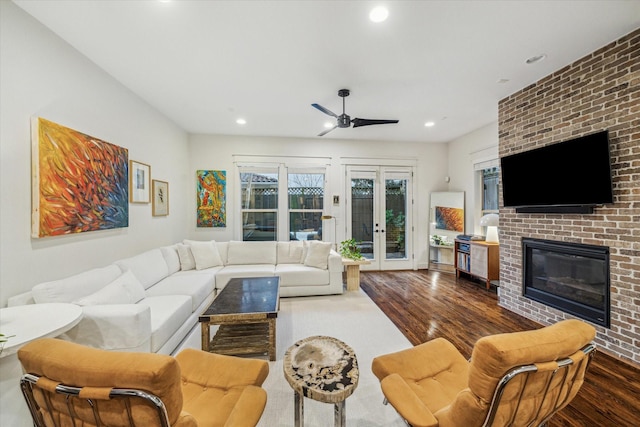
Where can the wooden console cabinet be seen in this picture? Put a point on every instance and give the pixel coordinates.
(478, 259)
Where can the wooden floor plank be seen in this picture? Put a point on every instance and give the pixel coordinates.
(426, 305)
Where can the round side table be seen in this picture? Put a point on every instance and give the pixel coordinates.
(27, 323)
(324, 369)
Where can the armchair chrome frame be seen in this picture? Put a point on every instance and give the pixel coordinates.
(528, 370)
(563, 365)
(28, 381)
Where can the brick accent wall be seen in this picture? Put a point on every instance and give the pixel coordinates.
(600, 91)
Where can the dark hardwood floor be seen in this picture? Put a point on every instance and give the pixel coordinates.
(426, 305)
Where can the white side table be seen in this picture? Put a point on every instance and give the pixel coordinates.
(27, 323)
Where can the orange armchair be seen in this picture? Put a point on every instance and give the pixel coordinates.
(513, 379)
(65, 381)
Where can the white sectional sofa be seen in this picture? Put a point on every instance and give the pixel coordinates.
(151, 301)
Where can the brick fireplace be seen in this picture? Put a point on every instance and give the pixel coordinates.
(600, 91)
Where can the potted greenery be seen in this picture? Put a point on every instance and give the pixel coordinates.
(439, 240)
(349, 249)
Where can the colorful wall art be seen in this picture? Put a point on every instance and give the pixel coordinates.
(449, 218)
(80, 183)
(212, 198)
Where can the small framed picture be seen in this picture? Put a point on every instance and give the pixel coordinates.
(139, 182)
(160, 191)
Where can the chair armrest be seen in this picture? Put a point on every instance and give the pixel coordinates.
(124, 327)
(425, 360)
(249, 407)
(222, 371)
(406, 402)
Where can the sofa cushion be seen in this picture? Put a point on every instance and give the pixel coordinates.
(290, 252)
(121, 327)
(232, 271)
(197, 285)
(187, 261)
(240, 253)
(301, 275)
(317, 254)
(149, 267)
(77, 286)
(205, 254)
(168, 313)
(170, 254)
(125, 289)
(223, 250)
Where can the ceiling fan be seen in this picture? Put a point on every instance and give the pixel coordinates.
(343, 120)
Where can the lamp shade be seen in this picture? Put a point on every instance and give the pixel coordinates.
(490, 220)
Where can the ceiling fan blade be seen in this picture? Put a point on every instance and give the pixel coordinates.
(324, 132)
(324, 110)
(367, 122)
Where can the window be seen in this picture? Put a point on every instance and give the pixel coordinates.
(486, 190)
(264, 214)
(259, 204)
(490, 182)
(306, 201)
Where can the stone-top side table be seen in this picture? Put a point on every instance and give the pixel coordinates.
(324, 369)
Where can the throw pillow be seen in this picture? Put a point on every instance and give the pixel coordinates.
(187, 262)
(205, 254)
(126, 289)
(318, 254)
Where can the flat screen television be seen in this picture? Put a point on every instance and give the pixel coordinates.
(569, 176)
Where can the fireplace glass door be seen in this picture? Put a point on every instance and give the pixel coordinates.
(570, 277)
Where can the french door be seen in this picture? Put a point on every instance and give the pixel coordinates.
(379, 215)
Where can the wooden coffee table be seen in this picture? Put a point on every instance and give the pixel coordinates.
(246, 310)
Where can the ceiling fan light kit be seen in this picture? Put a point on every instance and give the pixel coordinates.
(343, 120)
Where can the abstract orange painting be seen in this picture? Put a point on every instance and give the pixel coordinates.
(449, 218)
(80, 183)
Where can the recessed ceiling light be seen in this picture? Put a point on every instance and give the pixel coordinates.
(328, 125)
(379, 14)
(536, 58)
(429, 124)
(241, 121)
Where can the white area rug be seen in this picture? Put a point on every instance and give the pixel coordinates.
(352, 318)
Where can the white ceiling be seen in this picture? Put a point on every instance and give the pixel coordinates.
(203, 64)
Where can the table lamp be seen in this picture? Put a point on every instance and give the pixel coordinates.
(491, 222)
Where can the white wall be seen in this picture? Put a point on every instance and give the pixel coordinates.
(476, 146)
(41, 75)
(216, 152)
